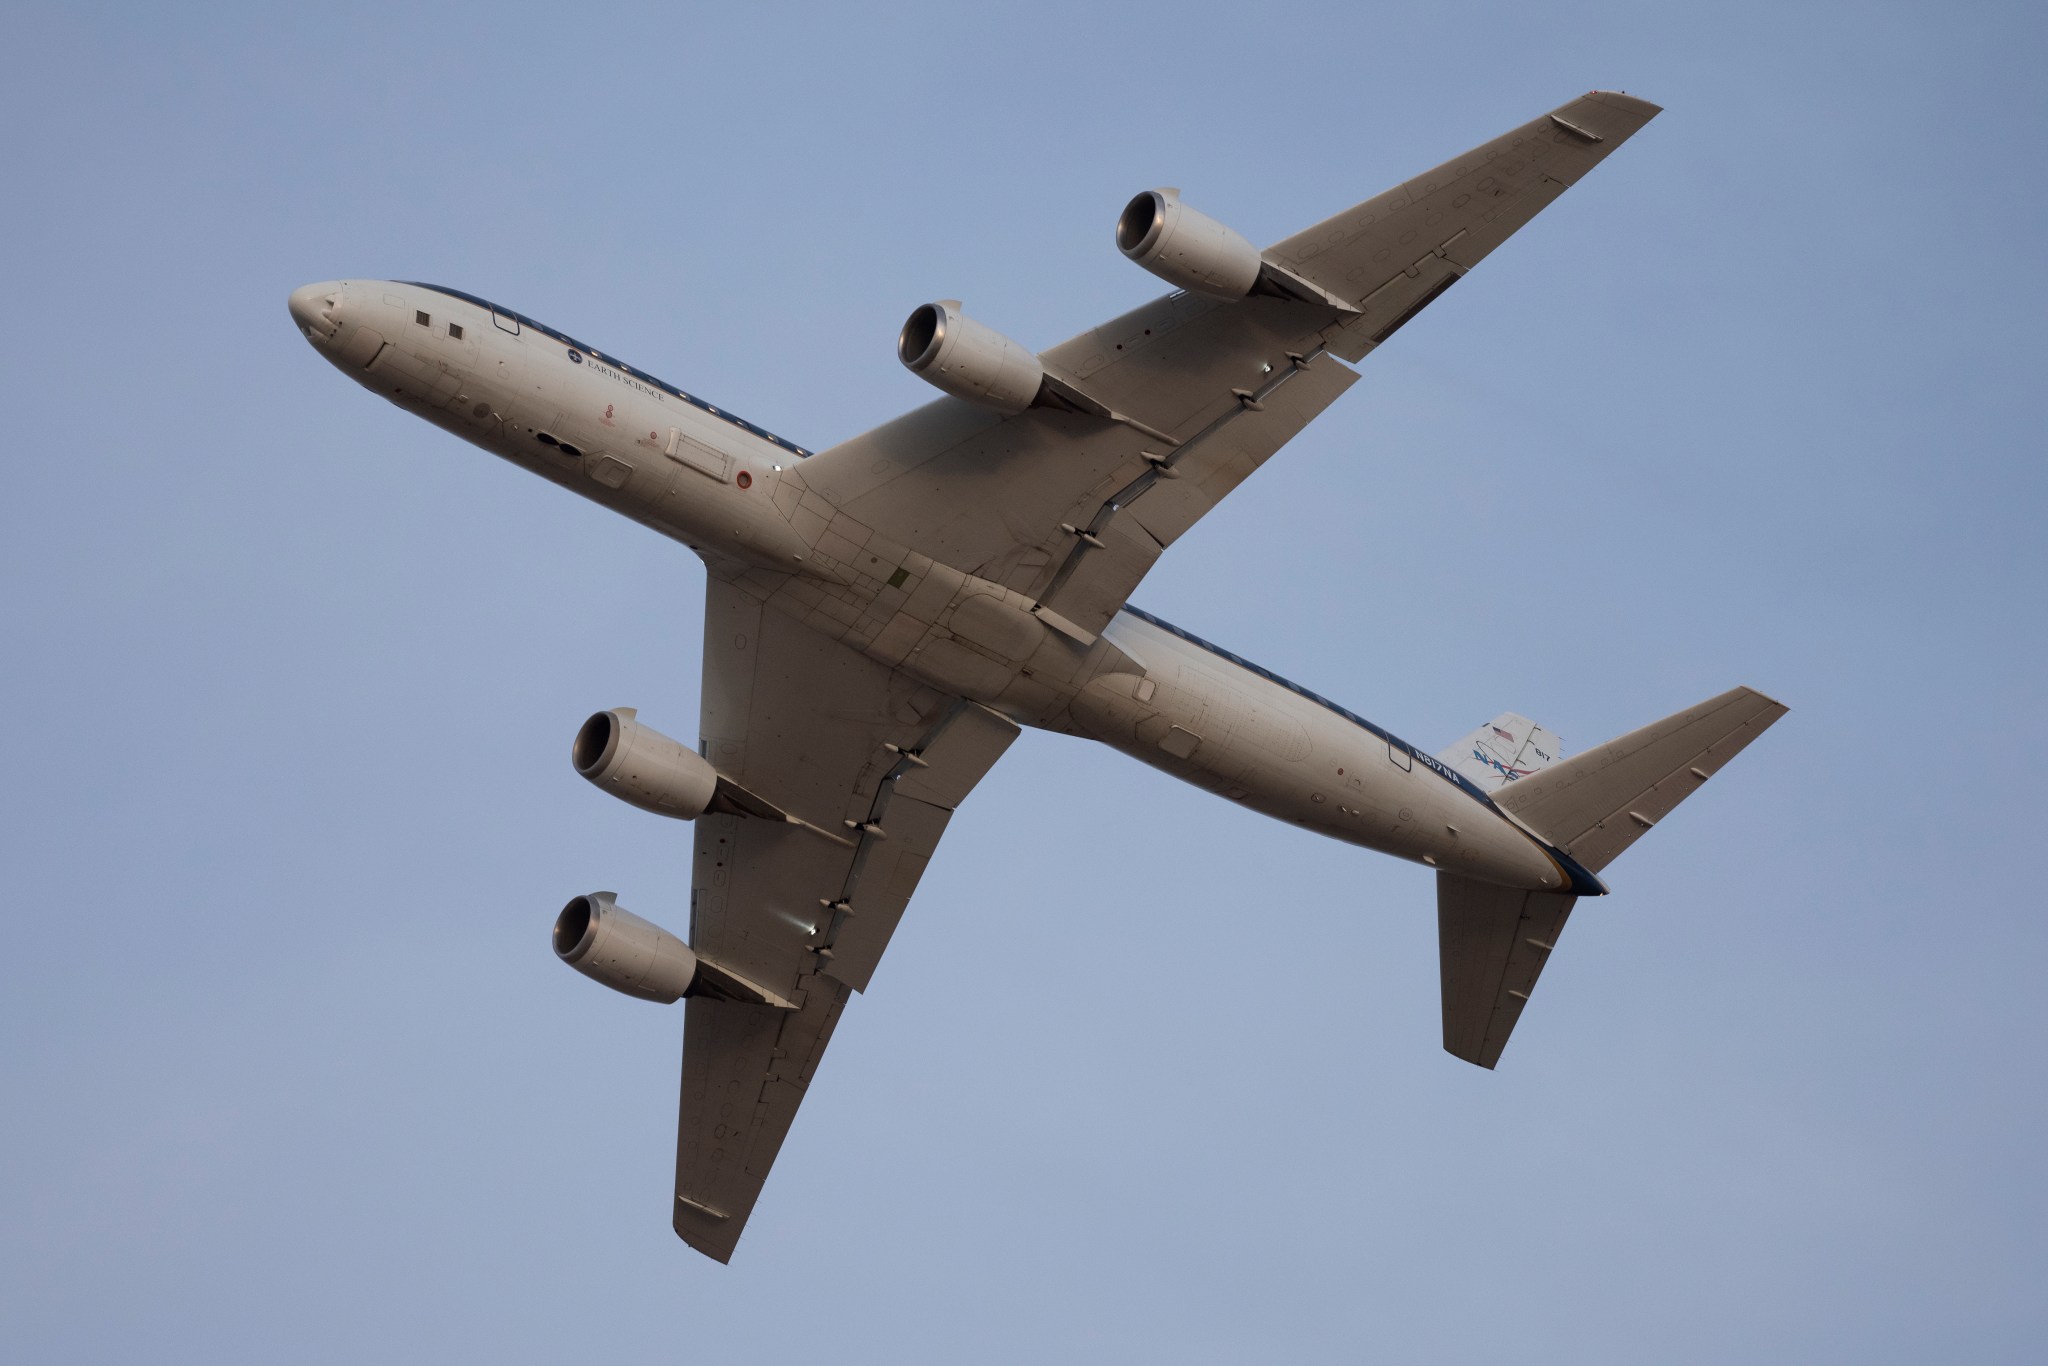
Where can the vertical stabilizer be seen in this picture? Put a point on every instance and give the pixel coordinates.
(1505, 749)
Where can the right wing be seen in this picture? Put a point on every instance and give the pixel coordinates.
(1065, 508)
(803, 899)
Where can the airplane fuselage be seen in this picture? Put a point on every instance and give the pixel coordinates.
(737, 496)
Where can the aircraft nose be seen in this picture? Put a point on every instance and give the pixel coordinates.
(312, 308)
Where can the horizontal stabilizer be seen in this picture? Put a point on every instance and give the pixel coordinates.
(1492, 943)
(1505, 749)
(1596, 804)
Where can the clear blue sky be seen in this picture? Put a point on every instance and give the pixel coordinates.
(287, 1070)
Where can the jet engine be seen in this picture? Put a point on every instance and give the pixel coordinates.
(1188, 249)
(969, 359)
(609, 944)
(639, 764)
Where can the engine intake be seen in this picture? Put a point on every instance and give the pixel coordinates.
(609, 944)
(639, 764)
(1187, 248)
(968, 359)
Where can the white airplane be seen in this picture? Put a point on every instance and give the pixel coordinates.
(883, 616)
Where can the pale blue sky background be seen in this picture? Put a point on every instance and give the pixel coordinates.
(287, 1070)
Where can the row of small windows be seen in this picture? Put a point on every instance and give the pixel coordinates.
(420, 317)
(572, 343)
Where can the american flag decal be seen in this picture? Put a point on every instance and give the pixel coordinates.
(1503, 735)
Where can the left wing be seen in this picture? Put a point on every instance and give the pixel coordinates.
(1180, 400)
(871, 764)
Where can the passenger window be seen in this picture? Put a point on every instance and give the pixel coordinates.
(422, 319)
(455, 331)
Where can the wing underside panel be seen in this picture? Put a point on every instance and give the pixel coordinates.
(1136, 520)
(872, 765)
(1399, 251)
(745, 1071)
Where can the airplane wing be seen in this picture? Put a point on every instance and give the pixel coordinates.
(870, 764)
(1066, 506)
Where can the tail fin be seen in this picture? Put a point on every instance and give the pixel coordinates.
(1494, 941)
(1504, 750)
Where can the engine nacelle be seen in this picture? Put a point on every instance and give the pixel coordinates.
(1188, 249)
(608, 944)
(969, 360)
(639, 764)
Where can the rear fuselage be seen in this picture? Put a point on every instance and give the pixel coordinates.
(736, 495)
